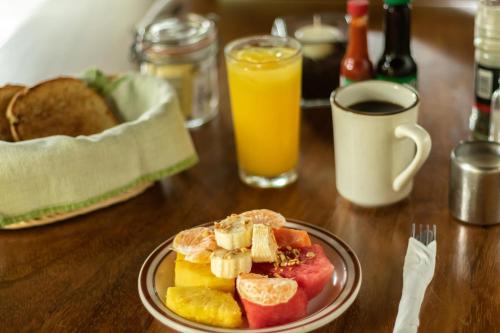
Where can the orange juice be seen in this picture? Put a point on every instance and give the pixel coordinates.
(264, 85)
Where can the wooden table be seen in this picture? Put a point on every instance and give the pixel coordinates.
(81, 275)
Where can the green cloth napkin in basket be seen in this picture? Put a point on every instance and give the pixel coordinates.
(61, 174)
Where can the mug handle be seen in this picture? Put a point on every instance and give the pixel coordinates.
(423, 143)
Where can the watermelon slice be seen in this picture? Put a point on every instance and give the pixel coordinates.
(312, 273)
(260, 316)
(271, 301)
(292, 237)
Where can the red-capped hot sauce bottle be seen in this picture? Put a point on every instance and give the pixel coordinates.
(356, 64)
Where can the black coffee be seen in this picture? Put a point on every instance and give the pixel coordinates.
(376, 107)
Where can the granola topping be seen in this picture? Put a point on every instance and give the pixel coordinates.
(290, 257)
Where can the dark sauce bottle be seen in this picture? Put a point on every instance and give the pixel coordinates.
(396, 63)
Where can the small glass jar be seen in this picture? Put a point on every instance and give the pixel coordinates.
(183, 51)
(324, 41)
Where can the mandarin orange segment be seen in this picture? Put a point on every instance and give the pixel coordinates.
(265, 216)
(262, 290)
(196, 244)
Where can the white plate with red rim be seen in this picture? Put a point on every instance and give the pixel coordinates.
(157, 274)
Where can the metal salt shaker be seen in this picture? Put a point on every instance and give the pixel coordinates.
(474, 195)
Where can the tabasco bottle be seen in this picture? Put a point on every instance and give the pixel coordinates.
(356, 64)
(397, 64)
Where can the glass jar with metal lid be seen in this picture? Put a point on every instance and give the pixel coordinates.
(183, 50)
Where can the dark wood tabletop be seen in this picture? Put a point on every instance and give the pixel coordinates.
(81, 274)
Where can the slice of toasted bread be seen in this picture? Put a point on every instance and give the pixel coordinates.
(62, 106)
(6, 94)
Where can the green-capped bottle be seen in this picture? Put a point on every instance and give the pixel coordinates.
(397, 64)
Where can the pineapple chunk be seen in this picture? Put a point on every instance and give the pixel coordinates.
(188, 274)
(204, 305)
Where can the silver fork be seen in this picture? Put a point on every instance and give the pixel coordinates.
(424, 234)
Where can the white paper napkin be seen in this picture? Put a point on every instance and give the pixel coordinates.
(418, 271)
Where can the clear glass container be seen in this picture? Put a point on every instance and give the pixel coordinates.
(183, 51)
(494, 130)
(487, 72)
(324, 40)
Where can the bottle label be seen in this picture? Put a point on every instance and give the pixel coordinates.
(486, 82)
(345, 81)
(410, 80)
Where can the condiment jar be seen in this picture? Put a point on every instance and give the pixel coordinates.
(487, 63)
(323, 42)
(183, 51)
(494, 130)
(356, 65)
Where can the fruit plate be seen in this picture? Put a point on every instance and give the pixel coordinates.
(157, 274)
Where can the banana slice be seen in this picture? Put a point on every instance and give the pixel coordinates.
(264, 245)
(196, 244)
(265, 216)
(228, 264)
(233, 232)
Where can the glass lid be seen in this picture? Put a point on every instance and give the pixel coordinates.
(180, 31)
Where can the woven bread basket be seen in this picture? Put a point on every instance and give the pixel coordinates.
(50, 179)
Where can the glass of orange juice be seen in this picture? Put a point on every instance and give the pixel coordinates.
(264, 74)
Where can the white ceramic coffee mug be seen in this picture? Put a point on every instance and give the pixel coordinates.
(377, 154)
